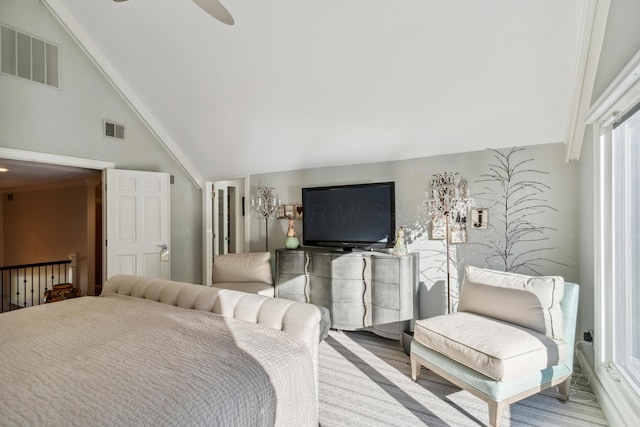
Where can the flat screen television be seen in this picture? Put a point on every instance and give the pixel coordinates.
(349, 216)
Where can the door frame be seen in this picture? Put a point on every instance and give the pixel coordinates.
(55, 159)
(209, 226)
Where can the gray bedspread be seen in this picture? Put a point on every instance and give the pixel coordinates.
(118, 360)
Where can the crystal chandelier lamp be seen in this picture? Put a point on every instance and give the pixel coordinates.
(265, 204)
(448, 200)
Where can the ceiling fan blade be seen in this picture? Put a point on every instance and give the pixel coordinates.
(216, 9)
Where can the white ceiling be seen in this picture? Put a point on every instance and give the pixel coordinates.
(23, 174)
(300, 84)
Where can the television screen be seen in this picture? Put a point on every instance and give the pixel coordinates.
(349, 216)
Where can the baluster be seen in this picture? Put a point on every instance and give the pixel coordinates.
(46, 281)
(32, 291)
(18, 288)
(24, 285)
(39, 285)
(2, 290)
(9, 291)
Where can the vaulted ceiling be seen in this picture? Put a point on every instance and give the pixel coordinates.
(301, 84)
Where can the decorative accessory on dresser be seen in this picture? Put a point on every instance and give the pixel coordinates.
(400, 249)
(291, 241)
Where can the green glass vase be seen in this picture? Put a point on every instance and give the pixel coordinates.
(291, 242)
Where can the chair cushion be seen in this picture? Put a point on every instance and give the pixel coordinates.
(245, 267)
(529, 301)
(497, 349)
(259, 288)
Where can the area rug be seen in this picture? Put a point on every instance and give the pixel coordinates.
(365, 380)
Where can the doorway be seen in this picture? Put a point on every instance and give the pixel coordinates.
(36, 170)
(224, 219)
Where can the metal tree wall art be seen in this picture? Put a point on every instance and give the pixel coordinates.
(515, 197)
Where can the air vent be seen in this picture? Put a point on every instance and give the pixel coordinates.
(28, 57)
(113, 130)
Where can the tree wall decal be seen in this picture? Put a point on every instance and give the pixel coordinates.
(514, 193)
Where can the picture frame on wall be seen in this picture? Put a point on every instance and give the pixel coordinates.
(280, 214)
(289, 211)
(298, 211)
(479, 219)
(457, 234)
(438, 229)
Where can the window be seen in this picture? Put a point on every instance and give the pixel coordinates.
(616, 119)
(625, 156)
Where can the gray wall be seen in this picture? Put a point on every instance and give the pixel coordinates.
(412, 181)
(68, 121)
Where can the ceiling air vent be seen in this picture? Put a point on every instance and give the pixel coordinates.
(113, 130)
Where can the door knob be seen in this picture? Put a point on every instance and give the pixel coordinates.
(164, 252)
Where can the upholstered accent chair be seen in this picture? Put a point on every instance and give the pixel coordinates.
(512, 336)
(252, 272)
(245, 272)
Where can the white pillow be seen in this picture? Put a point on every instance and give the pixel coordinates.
(529, 301)
(245, 267)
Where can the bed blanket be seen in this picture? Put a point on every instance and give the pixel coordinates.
(119, 360)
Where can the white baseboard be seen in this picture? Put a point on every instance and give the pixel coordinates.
(615, 410)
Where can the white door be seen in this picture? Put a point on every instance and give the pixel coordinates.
(137, 227)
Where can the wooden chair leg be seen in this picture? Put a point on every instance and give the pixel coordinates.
(495, 413)
(415, 368)
(564, 388)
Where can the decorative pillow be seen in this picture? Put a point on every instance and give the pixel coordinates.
(247, 267)
(61, 292)
(529, 301)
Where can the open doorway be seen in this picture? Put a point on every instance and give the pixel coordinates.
(66, 193)
(225, 223)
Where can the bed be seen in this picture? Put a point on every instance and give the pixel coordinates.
(157, 352)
